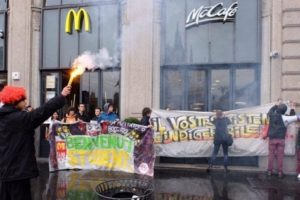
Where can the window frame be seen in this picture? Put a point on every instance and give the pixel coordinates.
(208, 70)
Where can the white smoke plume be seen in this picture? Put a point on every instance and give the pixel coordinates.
(92, 61)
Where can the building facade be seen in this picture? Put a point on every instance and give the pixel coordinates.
(166, 55)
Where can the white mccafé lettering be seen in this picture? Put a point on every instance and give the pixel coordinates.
(216, 13)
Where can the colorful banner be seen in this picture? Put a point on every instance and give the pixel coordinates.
(190, 134)
(125, 147)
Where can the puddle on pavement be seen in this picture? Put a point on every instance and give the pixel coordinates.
(168, 185)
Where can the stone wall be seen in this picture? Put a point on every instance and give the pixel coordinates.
(291, 50)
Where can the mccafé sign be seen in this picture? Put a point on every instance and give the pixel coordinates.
(215, 13)
(76, 18)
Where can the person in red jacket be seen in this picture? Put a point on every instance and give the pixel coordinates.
(17, 161)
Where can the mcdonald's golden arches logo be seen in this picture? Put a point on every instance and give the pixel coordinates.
(76, 18)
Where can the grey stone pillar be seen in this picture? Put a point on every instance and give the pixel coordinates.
(23, 56)
(137, 57)
(24, 19)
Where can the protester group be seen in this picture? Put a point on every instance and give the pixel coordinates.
(276, 131)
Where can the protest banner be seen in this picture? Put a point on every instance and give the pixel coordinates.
(126, 147)
(190, 134)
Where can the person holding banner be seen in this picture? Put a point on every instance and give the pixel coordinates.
(70, 116)
(107, 117)
(278, 123)
(220, 138)
(108, 114)
(145, 121)
(292, 112)
(298, 155)
(17, 161)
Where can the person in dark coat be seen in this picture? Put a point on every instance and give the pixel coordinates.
(277, 133)
(17, 161)
(82, 115)
(221, 130)
(146, 113)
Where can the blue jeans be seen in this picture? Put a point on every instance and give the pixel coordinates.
(215, 153)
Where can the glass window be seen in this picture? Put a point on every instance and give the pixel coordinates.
(109, 29)
(246, 88)
(61, 48)
(173, 91)
(90, 88)
(205, 43)
(88, 1)
(3, 4)
(185, 88)
(174, 38)
(90, 40)
(197, 40)
(111, 88)
(220, 89)
(51, 39)
(98, 88)
(221, 42)
(68, 43)
(3, 9)
(3, 80)
(196, 90)
(71, 1)
(2, 41)
(205, 88)
(52, 2)
(247, 35)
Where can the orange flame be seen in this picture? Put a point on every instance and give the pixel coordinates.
(78, 70)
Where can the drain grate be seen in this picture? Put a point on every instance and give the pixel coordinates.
(126, 189)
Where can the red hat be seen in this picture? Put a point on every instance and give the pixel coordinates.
(12, 95)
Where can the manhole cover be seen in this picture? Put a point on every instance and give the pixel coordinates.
(126, 189)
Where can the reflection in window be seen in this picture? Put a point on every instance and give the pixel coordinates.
(220, 90)
(173, 89)
(2, 29)
(3, 4)
(3, 80)
(68, 43)
(52, 2)
(61, 48)
(71, 1)
(50, 39)
(109, 29)
(203, 89)
(88, 40)
(89, 88)
(111, 88)
(196, 90)
(245, 88)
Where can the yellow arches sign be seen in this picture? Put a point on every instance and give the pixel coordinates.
(77, 18)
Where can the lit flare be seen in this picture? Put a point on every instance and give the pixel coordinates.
(77, 70)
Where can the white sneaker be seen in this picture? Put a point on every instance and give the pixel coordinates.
(298, 177)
